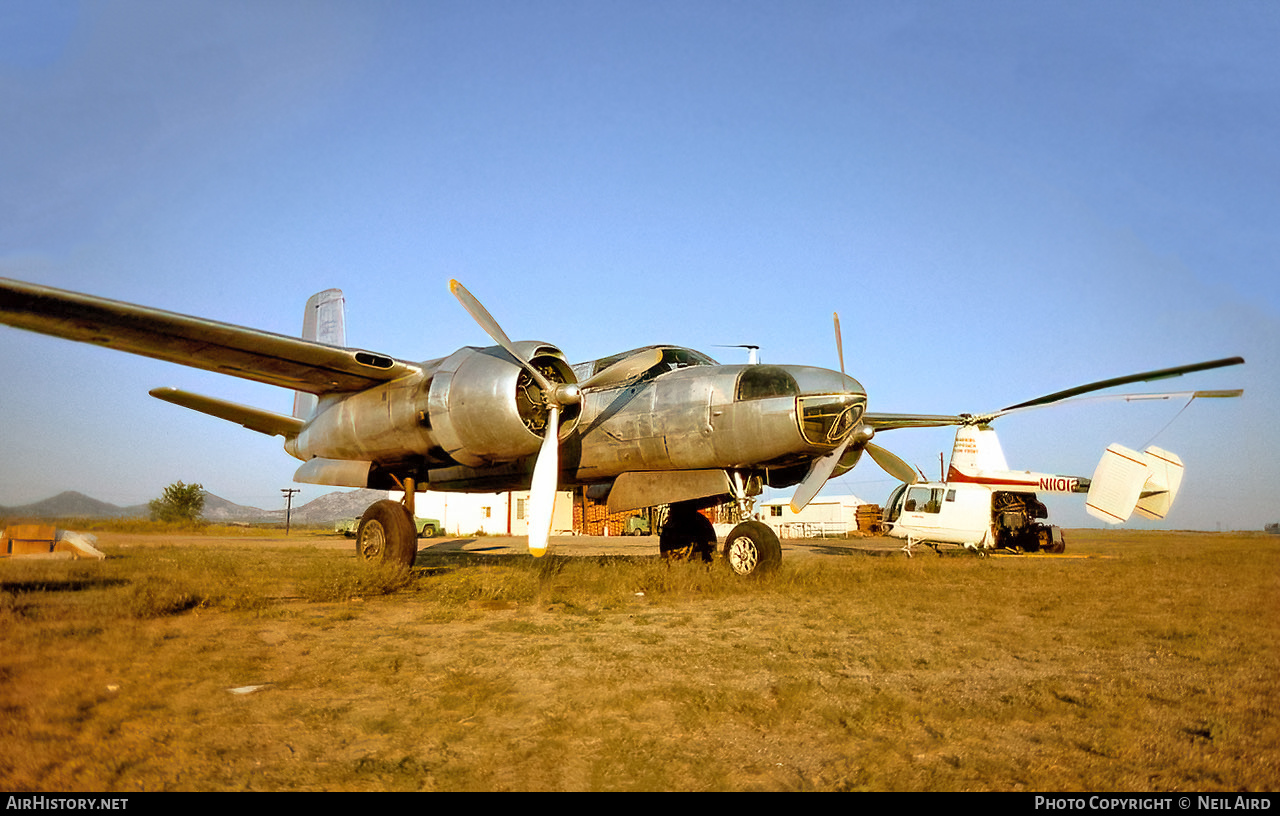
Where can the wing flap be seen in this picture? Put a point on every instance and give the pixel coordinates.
(192, 341)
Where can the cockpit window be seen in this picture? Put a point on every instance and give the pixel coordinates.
(763, 381)
(924, 500)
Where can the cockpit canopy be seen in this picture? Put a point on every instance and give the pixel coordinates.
(673, 357)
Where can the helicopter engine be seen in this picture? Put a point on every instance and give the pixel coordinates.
(1015, 518)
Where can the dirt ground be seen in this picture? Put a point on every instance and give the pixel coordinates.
(1135, 661)
(516, 545)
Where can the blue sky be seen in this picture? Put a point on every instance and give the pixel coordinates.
(1001, 200)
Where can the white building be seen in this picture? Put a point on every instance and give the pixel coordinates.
(834, 516)
(463, 514)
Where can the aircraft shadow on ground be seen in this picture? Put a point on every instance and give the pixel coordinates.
(60, 584)
(452, 555)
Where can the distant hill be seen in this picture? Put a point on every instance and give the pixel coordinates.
(219, 509)
(335, 505)
(326, 508)
(70, 504)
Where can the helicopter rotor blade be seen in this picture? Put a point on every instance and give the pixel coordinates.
(1149, 376)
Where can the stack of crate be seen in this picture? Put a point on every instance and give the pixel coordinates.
(591, 517)
(870, 518)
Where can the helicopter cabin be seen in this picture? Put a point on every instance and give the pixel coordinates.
(972, 516)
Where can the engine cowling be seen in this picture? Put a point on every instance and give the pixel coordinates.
(484, 408)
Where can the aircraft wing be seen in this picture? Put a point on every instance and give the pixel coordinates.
(262, 356)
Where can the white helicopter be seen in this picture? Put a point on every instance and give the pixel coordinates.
(984, 506)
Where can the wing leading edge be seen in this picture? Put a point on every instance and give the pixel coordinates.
(224, 348)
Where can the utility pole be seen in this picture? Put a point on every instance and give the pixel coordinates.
(288, 504)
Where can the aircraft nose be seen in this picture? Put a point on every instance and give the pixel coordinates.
(826, 419)
(821, 381)
(830, 405)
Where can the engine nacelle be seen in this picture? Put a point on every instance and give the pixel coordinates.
(483, 407)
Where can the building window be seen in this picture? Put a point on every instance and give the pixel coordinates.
(775, 510)
(520, 508)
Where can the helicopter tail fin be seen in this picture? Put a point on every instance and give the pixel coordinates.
(1126, 480)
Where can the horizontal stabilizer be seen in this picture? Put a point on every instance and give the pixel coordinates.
(1116, 485)
(1126, 480)
(255, 419)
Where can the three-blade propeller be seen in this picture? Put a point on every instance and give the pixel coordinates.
(557, 396)
(822, 468)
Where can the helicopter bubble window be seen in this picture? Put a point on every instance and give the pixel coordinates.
(893, 506)
(762, 382)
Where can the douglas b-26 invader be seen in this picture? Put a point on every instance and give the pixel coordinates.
(662, 425)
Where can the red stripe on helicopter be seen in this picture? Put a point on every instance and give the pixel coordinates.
(954, 475)
(1052, 484)
(1105, 512)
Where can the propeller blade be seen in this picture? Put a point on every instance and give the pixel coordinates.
(817, 476)
(624, 370)
(481, 315)
(542, 489)
(839, 341)
(892, 465)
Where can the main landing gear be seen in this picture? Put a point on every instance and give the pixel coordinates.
(687, 535)
(387, 534)
(751, 548)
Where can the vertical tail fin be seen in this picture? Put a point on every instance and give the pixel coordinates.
(324, 321)
(977, 450)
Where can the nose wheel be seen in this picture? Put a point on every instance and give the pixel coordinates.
(752, 548)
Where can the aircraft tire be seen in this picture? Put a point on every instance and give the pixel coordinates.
(387, 534)
(752, 548)
(687, 535)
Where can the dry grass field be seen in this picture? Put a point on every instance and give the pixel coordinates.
(1138, 662)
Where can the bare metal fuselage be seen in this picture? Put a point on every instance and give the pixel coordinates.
(460, 424)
